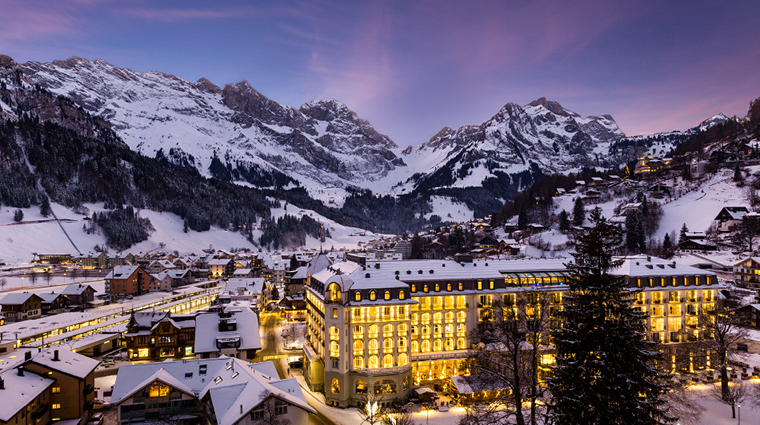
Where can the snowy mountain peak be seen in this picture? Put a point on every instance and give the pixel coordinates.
(207, 86)
(552, 106)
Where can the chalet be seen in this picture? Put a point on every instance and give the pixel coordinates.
(596, 181)
(159, 266)
(592, 195)
(181, 277)
(242, 273)
(730, 217)
(749, 315)
(80, 296)
(160, 282)
(293, 307)
(222, 391)
(696, 246)
(232, 333)
(160, 336)
(53, 303)
(127, 280)
(747, 273)
(221, 267)
(183, 263)
(560, 191)
(18, 306)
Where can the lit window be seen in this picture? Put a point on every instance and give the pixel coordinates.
(437, 287)
(56, 390)
(158, 391)
(401, 295)
(372, 296)
(358, 296)
(425, 288)
(335, 386)
(387, 295)
(56, 406)
(461, 286)
(448, 287)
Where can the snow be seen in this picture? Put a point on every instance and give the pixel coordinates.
(449, 210)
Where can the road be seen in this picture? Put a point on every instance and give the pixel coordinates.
(271, 349)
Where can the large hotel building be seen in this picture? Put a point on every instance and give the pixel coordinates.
(387, 326)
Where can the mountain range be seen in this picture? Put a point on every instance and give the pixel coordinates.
(306, 155)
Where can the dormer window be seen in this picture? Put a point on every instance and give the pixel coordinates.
(372, 296)
(387, 295)
(358, 296)
(334, 292)
(401, 295)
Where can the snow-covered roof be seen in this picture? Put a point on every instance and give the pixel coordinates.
(207, 331)
(20, 391)
(229, 382)
(253, 285)
(121, 272)
(646, 266)
(48, 298)
(241, 272)
(301, 273)
(68, 362)
(16, 298)
(474, 383)
(76, 289)
(735, 213)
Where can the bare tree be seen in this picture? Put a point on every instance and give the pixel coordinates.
(736, 394)
(683, 403)
(271, 411)
(3, 283)
(507, 365)
(371, 411)
(402, 417)
(721, 333)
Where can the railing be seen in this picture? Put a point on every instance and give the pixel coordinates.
(383, 370)
(441, 355)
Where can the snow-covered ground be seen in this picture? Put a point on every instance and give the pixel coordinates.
(18, 241)
(449, 210)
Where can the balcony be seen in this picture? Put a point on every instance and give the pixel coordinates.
(383, 370)
(40, 412)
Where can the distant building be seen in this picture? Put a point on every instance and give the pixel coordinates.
(730, 217)
(53, 303)
(127, 280)
(160, 336)
(233, 333)
(80, 296)
(18, 306)
(222, 391)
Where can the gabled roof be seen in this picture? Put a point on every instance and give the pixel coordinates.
(17, 298)
(122, 272)
(20, 391)
(77, 289)
(68, 362)
(207, 331)
(732, 213)
(48, 298)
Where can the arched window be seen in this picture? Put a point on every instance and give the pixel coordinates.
(358, 331)
(401, 295)
(373, 362)
(361, 387)
(372, 296)
(388, 344)
(387, 295)
(448, 287)
(358, 361)
(414, 288)
(402, 359)
(373, 344)
(373, 329)
(334, 292)
(461, 315)
(425, 288)
(460, 343)
(437, 287)
(402, 344)
(358, 296)
(461, 286)
(449, 344)
(449, 328)
(437, 317)
(415, 347)
(425, 346)
(334, 349)
(449, 316)
(388, 329)
(335, 387)
(402, 328)
(425, 330)
(437, 345)
(358, 346)
(387, 360)
(426, 318)
(334, 333)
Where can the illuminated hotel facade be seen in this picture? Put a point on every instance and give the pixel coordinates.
(388, 326)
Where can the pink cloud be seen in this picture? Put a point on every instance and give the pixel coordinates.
(25, 20)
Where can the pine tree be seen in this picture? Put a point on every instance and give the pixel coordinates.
(631, 241)
(522, 219)
(185, 226)
(18, 215)
(682, 236)
(579, 214)
(667, 247)
(45, 209)
(604, 372)
(564, 221)
(641, 237)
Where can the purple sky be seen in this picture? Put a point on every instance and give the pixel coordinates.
(413, 67)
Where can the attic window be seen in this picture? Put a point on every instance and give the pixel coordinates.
(218, 379)
(396, 272)
(235, 374)
(188, 375)
(649, 266)
(229, 366)
(431, 271)
(408, 272)
(662, 266)
(419, 271)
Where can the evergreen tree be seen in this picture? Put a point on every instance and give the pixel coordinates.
(667, 247)
(579, 214)
(564, 221)
(631, 240)
(45, 209)
(522, 219)
(18, 215)
(605, 372)
(738, 174)
(184, 226)
(641, 237)
(682, 236)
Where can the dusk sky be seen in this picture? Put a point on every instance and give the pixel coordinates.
(413, 67)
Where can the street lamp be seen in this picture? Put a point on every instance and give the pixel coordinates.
(740, 413)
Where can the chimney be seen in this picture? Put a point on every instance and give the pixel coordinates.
(55, 355)
(27, 355)
(20, 371)
(2, 384)
(241, 409)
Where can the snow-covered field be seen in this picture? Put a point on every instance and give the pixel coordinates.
(18, 241)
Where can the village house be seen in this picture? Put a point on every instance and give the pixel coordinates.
(730, 218)
(219, 391)
(160, 282)
(53, 303)
(221, 267)
(233, 332)
(18, 306)
(127, 280)
(80, 296)
(160, 336)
